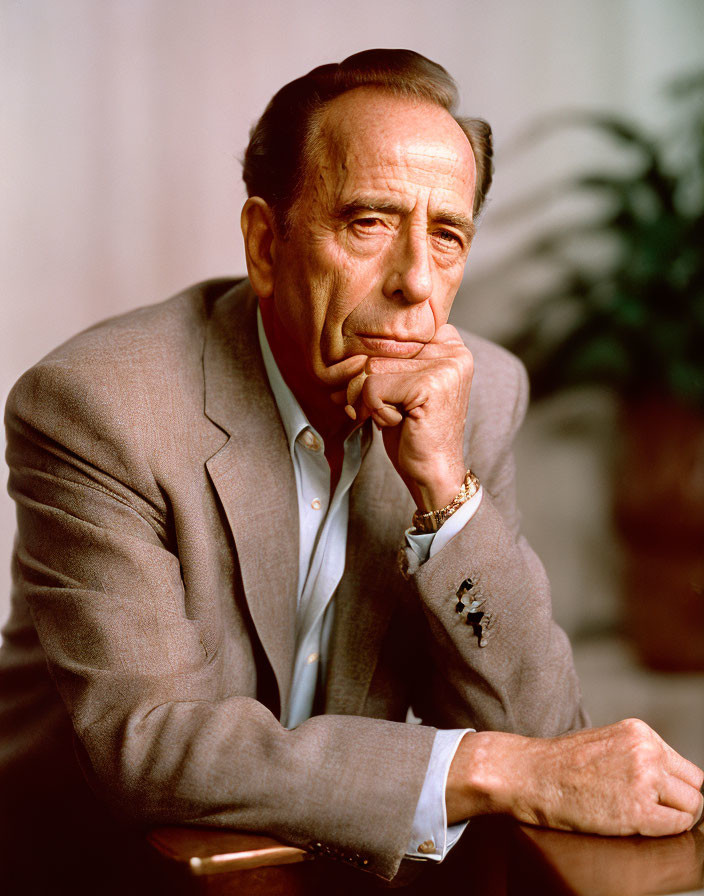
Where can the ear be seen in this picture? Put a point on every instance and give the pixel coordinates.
(259, 234)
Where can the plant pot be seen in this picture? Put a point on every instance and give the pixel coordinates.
(659, 510)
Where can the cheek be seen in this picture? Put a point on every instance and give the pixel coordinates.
(442, 307)
(309, 285)
(347, 281)
(447, 284)
(334, 309)
(339, 283)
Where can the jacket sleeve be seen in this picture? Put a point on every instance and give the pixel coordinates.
(162, 738)
(498, 661)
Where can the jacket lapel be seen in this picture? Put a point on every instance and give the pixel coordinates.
(253, 476)
(380, 511)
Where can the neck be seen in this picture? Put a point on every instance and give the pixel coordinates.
(324, 415)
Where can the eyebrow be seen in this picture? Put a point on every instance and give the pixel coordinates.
(461, 222)
(464, 224)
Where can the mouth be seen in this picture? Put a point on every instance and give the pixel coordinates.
(386, 346)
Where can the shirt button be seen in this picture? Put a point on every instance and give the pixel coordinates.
(427, 846)
(315, 504)
(313, 658)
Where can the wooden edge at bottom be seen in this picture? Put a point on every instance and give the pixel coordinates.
(203, 851)
(239, 861)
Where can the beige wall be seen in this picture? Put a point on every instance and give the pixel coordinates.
(123, 121)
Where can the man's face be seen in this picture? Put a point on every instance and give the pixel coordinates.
(380, 233)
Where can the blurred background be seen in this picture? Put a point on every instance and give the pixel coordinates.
(123, 123)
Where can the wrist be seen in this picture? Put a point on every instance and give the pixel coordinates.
(430, 521)
(482, 777)
(435, 491)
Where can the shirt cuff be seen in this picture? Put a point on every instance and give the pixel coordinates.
(431, 838)
(428, 544)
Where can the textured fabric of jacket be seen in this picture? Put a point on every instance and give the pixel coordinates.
(155, 579)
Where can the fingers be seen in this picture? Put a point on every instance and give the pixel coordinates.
(340, 373)
(387, 416)
(699, 816)
(354, 389)
(392, 392)
(663, 821)
(676, 782)
(350, 373)
(446, 334)
(429, 354)
(676, 794)
(434, 394)
(683, 768)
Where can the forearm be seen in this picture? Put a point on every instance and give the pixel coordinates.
(349, 783)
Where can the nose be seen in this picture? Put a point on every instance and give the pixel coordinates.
(410, 275)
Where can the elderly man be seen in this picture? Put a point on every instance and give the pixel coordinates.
(212, 494)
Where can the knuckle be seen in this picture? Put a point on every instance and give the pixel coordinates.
(644, 766)
(636, 729)
(454, 373)
(458, 365)
(439, 377)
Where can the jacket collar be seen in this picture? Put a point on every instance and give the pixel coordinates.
(253, 475)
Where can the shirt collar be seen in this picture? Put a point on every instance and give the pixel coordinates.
(292, 416)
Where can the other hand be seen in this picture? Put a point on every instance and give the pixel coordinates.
(620, 779)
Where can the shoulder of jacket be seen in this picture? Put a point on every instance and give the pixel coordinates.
(499, 376)
(153, 337)
(497, 405)
(123, 375)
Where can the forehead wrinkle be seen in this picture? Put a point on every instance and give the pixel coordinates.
(380, 185)
(425, 155)
(439, 151)
(334, 121)
(435, 167)
(368, 161)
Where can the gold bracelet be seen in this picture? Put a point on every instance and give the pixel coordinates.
(433, 519)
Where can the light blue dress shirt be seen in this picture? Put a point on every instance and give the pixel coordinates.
(323, 543)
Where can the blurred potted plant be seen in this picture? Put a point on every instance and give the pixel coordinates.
(633, 321)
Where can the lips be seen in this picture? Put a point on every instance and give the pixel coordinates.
(391, 346)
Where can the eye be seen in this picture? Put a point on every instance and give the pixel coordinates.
(367, 223)
(368, 227)
(449, 236)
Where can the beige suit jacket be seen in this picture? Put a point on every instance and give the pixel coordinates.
(155, 573)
